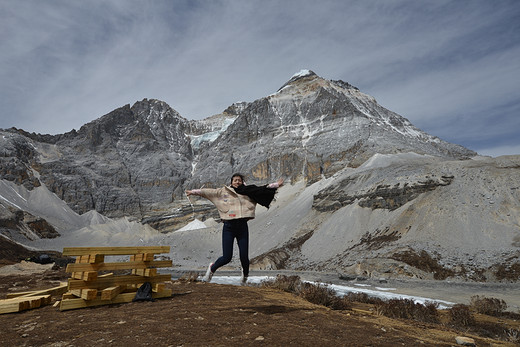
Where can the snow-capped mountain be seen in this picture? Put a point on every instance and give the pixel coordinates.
(365, 188)
(137, 158)
(312, 127)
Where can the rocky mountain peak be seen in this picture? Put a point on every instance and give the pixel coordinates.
(301, 83)
(302, 74)
(152, 111)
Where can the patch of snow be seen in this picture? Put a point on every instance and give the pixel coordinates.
(301, 73)
(280, 90)
(10, 203)
(386, 295)
(211, 136)
(194, 225)
(341, 290)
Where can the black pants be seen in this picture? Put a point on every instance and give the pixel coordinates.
(234, 229)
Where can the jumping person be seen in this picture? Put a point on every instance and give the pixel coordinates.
(236, 205)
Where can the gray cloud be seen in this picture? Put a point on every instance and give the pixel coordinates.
(450, 67)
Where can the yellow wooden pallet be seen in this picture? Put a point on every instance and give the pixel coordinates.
(87, 287)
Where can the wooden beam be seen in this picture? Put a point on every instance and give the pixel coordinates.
(85, 294)
(85, 275)
(119, 266)
(68, 251)
(12, 306)
(106, 282)
(145, 272)
(69, 295)
(71, 304)
(159, 287)
(52, 291)
(111, 292)
(89, 294)
(23, 303)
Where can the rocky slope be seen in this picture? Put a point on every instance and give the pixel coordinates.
(403, 214)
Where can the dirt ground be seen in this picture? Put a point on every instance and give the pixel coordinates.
(207, 314)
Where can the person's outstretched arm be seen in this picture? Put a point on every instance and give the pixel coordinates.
(208, 193)
(193, 192)
(276, 184)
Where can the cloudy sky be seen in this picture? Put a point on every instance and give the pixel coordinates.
(451, 67)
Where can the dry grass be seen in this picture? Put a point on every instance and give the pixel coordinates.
(408, 309)
(316, 293)
(460, 317)
(490, 306)
(362, 298)
(323, 295)
(423, 261)
(508, 272)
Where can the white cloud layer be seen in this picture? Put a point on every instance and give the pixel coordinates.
(450, 67)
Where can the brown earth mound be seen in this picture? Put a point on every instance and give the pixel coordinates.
(200, 314)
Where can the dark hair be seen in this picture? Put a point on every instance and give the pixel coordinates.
(237, 175)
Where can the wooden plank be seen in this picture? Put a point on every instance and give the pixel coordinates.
(119, 266)
(89, 276)
(80, 259)
(71, 304)
(159, 287)
(75, 292)
(52, 291)
(85, 294)
(85, 275)
(34, 302)
(77, 275)
(89, 294)
(68, 251)
(25, 298)
(9, 307)
(142, 257)
(96, 258)
(23, 303)
(145, 272)
(106, 282)
(111, 292)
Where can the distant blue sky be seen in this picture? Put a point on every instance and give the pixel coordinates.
(451, 67)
